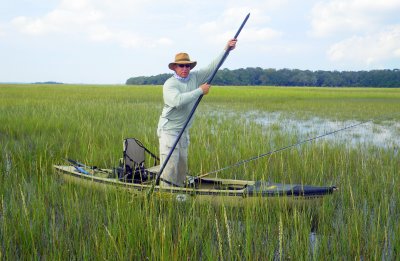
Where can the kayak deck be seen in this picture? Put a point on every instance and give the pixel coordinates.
(204, 186)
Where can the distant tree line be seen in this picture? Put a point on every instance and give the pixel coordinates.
(149, 80)
(291, 77)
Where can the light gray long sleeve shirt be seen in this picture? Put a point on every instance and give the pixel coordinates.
(180, 95)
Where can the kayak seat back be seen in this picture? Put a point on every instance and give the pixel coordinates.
(134, 161)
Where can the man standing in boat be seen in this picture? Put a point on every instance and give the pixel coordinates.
(180, 93)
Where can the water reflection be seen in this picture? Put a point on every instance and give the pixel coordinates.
(313, 238)
(385, 134)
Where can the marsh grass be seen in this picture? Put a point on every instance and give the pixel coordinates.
(43, 217)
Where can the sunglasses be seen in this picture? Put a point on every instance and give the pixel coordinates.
(184, 65)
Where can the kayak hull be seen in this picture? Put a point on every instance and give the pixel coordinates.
(215, 190)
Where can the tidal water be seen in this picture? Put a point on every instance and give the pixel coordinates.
(386, 134)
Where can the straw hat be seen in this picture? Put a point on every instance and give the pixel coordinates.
(182, 58)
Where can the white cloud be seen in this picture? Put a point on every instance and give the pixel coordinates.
(164, 41)
(100, 33)
(75, 4)
(69, 18)
(91, 21)
(261, 34)
(132, 23)
(397, 52)
(337, 16)
(368, 50)
(227, 25)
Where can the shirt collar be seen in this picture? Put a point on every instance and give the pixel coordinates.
(181, 78)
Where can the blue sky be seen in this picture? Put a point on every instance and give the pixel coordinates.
(108, 41)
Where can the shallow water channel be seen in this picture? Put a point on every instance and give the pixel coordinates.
(385, 134)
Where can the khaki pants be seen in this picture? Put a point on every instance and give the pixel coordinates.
(176, 169)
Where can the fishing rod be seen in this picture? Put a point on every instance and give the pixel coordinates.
(80, 167)
(284, 148)
(197, 103)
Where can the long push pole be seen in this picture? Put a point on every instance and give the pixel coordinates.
(197, 103)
